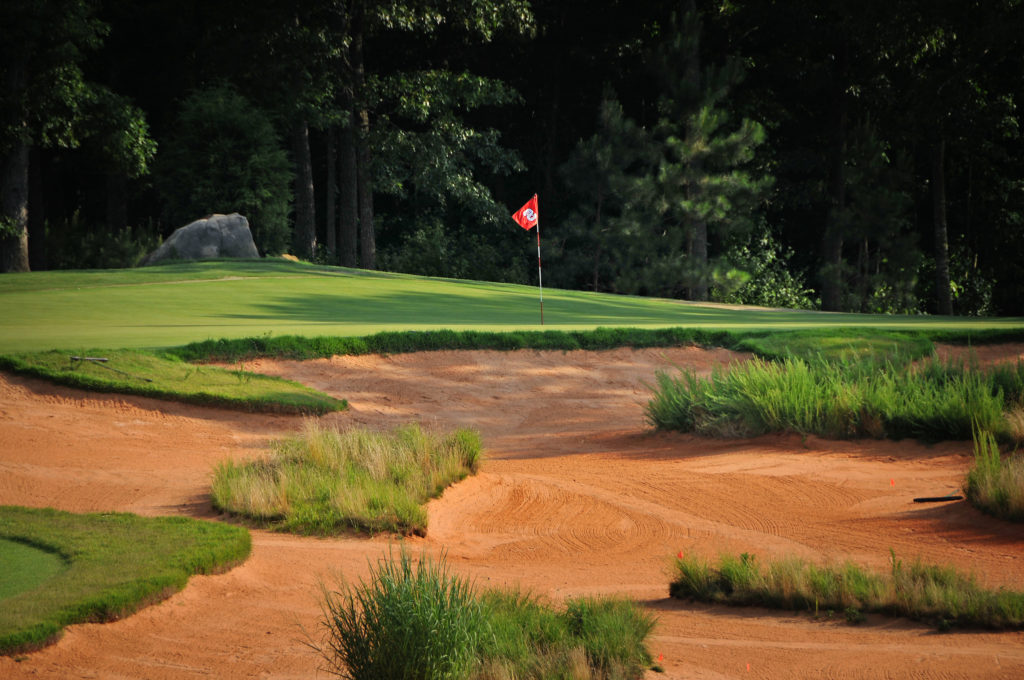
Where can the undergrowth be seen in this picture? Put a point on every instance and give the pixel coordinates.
(939, 595)
(324, 481)
(416, 620)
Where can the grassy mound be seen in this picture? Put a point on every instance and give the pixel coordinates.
(418, 621)
(323, 481)
(167, 377)
(941, 595)
(112, 565)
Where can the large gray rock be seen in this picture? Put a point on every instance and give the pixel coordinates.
(216, 236)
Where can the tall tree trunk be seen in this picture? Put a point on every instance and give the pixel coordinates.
(832, 238)
(14, 210)
(38, 259)
(331, 195)
(304, 236)
(348, 218)
(943, 290)
(697, 249)
(364, 180)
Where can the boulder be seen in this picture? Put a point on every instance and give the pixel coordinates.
(213, 237)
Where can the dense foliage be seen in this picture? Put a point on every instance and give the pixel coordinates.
(858, 156)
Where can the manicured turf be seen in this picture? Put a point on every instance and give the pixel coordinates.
(24, 567)
(110, 565)
(186, 302)
(167, 377)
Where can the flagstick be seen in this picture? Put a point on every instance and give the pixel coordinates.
(540, 280)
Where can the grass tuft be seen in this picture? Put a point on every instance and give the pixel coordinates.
(837, 399)
(995, 484)
(940, 595)
(112, 564)
(324, 482)
(416, 620)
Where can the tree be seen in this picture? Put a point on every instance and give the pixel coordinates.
(224, 156)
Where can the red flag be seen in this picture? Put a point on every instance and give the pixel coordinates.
(527, 216)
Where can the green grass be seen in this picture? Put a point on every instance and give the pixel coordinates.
(324, 482)
(995, 484)
(838, 399)
(939, 595)
(24, 567)
(111, 565)
(180, 303)
(165, 376)
(419, 621)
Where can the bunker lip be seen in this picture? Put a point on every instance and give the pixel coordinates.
(576, 497)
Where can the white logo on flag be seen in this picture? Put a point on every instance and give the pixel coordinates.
(530, 215)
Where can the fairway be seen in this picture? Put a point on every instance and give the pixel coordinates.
(186, 302)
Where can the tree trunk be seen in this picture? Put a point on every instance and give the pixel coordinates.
(348, 219)
(14, 210)
(698, 240)
(364, 181)
(38, 258)
(943, 290)
(304, 236)
(331, 196)
(832, 239)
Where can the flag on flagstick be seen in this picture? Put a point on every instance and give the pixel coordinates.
(528, 217)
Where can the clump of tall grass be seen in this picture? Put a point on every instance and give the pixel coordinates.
(416, 620)
(325, 481)
(941, 595)
(836, 399)
(995, 484)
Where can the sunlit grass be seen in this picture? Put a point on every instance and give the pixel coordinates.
(325, 482)
(936, 594)
(995, 484)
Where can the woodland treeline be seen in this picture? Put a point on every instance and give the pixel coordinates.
(861, 156)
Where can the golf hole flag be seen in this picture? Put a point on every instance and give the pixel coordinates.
(528, 217)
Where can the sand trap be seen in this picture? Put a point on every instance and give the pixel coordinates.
(576, 497)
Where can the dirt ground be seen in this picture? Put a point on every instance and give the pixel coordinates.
(576, 496)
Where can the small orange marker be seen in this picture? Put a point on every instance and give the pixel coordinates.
(661, 657)
(892, 482)
(679, 554)
(748, 667)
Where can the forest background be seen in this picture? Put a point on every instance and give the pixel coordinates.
(854, 156)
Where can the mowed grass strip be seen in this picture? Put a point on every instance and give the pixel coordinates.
(324, 482)
(112, 564)
(838, 399)
(939, 595)
(995, 483)
(165, 376)
(417, 620)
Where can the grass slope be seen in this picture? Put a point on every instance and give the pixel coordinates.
(112, 565)
(187, 302)
(167, 377)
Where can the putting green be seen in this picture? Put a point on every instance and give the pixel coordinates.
(185, 302)
(25, 567)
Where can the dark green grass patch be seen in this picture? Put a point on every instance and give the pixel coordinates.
(419, 621)
(939, 595)
(112, 564)
(167, 377)
(324, 482)
(836, 399)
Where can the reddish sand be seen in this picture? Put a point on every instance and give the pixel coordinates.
(577, 496)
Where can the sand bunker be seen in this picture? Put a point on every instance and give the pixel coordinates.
(576, 496)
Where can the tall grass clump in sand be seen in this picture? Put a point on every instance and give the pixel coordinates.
(324, 481)
(836, 399)
(937, 594)
(416, 620)
(995, 484)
